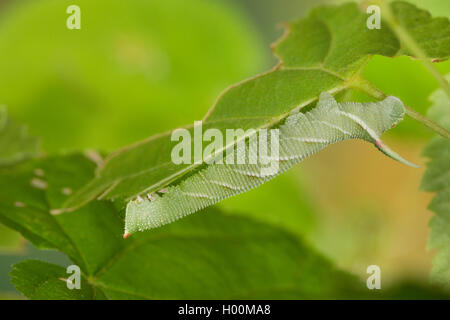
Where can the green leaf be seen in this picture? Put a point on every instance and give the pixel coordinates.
(302, 135)
(326, 40)
(437, 180)
(210, 255)
(431, 34)
(412, 93)
(322, 52)
(15, 142)
(45, 281)
(27, 192)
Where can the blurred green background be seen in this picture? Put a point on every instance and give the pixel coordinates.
(139, 67)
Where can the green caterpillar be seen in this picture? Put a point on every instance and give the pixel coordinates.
(301, 135)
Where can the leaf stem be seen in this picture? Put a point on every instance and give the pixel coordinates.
(427, 122)
(368, 88)
(404, 36)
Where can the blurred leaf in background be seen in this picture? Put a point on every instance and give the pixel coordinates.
(437, 180)
(134, 69)
(15, 142)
